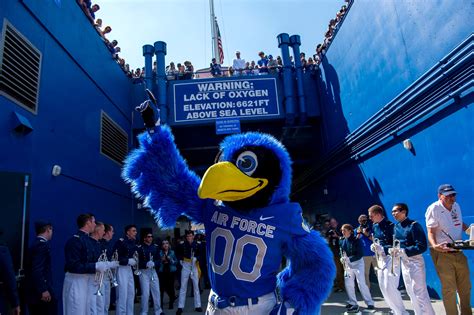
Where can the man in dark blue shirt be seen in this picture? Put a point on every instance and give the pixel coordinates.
(412, 244)
(39, 278)
(352, 253)
(107, 245)
(383, 240)
(216, 70)
(262, 63)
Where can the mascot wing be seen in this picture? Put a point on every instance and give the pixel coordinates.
(307, 281)
(160, 176)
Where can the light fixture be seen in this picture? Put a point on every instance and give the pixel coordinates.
(56, 170)
(407, 144)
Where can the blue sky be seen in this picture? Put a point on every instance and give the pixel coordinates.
(246, 25)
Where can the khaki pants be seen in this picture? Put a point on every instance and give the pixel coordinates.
(339, 280)
(369, 261)
(453, 271)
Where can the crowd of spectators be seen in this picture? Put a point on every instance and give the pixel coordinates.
(90, 11)
(266, 64)
(184, 71)
(331, 31)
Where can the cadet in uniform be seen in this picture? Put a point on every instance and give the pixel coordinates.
(38, 274)
(188, 253)
(412, 244)
(126, 247)
(96, 301)
(78, 267)
(149, 260)
(352, 247)
(7, 276)
(388, 283)
(107, 245)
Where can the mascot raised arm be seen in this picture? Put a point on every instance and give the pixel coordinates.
(250, 223)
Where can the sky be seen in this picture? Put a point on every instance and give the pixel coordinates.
(249, 26)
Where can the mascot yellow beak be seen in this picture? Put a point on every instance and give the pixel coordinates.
(224, 181)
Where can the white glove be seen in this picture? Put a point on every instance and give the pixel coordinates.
(344, 260)
(101, 266)
(376, 248)
(132, 262)
(394, 251)
(150, 264)
(113, 264)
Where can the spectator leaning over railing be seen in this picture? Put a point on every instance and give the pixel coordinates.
(98, 25)
(115, 54)
(262, 63)
(238, 64)
(111, 46)
(188, 70)
(106, 30)
(180, 71)
(171, 72)
(216, 69)
(272, 65)
(92, 12)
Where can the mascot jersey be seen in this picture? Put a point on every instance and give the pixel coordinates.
(245, 249)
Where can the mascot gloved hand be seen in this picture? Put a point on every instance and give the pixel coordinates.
(250, 223)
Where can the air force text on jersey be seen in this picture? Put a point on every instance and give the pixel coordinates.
(244, 225)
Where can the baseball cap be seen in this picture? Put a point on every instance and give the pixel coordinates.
(446, 190)
(270, 56)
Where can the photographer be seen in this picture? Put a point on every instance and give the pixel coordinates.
(364, 233)
(333, 236)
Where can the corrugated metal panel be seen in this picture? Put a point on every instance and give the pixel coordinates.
(20, 64)
(113, 140)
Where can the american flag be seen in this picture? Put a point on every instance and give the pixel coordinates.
(219, 45)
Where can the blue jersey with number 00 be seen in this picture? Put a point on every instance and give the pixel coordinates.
(245, 249)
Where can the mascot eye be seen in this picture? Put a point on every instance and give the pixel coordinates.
(247, 162)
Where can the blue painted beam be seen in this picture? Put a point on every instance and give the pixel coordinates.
(283, 43)
(160, 52)
(295, 42)
(148, 51)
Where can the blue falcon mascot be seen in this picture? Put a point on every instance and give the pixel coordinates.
(243, 201)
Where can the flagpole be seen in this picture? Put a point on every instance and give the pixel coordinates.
(215, 53)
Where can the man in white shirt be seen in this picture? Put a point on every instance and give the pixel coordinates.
(239, 64)
(444, 224)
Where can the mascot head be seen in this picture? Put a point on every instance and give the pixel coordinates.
(252, 170)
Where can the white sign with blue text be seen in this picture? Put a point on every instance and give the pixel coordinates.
(202, 101)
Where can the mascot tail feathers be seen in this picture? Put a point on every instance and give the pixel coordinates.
(159, 175)
(308, 279)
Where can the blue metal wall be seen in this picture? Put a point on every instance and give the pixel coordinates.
(382, 47)
(78, 80)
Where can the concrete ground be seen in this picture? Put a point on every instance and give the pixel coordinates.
(334, 305)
